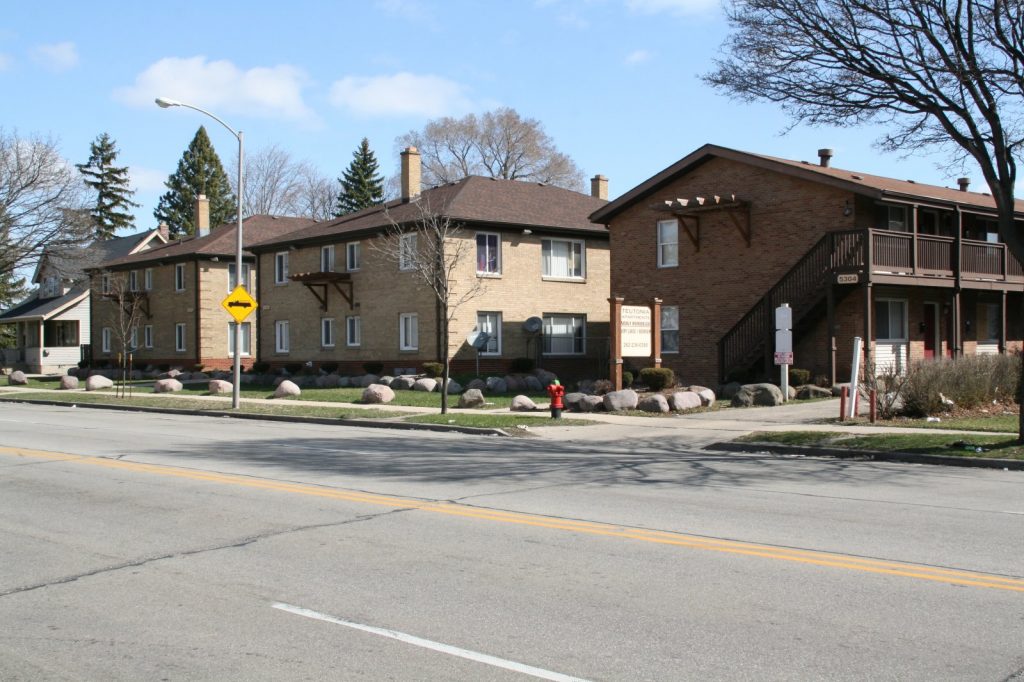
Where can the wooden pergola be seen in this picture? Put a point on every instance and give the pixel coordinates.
(319, 284)
(690, 210)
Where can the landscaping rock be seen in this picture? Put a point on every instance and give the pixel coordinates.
(768, 395)
(170, 374)
(680, 401)
(591, 403)
(344, 382)
(473, 397)
(810, 391)
(533, 384)
(655, 402)
(602, 386)
(572, 401)
(332, 381)
(727, 391)
(514, 384)
(385, 380)
(247, 379)
(707, 396)
(454, 387)
(522, 403)
(625, 399)
(585, 386)
(403, 383)
(98, 381)
(425, 384)
(477, 384)
(496, 385)
(167, 386)
(368, 380)
(17, 378)
(544, 377)
(378, 394)
(199, 376)
(287, 389)
(68, 383)
(220, 387)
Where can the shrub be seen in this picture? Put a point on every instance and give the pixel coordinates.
(293, 367)
(329, 367)
(373, 367)
(822, 380)
(521, 365)
(433, 369)
(657, 378)
(969, 381)
(627, 378)
(799, 377)
(740, 375)
(260, 367)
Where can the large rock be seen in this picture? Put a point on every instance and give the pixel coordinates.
(727, 391)
(17, 378)
(454, 387)
(707, 396)
(167, 386)
(477, 384)
(544, 377)
(533, 384)
(586, 386)
(473, 397)
(496, 385)
(378, 394)
(625, 399)
(514, 384)
(521, 403)
(591, 403)
(680, 401)
(170, 374)
(403, 383)
(368, 380)
(220, 387)
(344, 382)
(425, 384)
(199, 376)
(655, 402)
(810, 391)
(572, 400)
(766, 395)
(287, 389)
(385, 380)
(68, 383)
(97, 382)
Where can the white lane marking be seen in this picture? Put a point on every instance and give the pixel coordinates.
(428, 644)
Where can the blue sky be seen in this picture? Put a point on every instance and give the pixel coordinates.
(614, 82)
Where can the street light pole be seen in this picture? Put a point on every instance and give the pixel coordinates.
(236, 382)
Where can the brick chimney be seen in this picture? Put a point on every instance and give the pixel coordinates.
(599, 187)
(411, 174)
(964, 183)
(825, 157)
(165, 231)
(202, 216)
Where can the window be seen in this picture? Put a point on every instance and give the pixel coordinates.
(563, 258)
(669, 329)
(281, 267)
(327, 332)
(105, 283)
(147, 336)
(668, 243)
(179, 277)
(281, 336)
(107, 336)
(246, 339)
(353, 331)
(133, 280)
(147, 279)
(892, 218)
(133, 339)
(890, 320)
(60, 333)
(327, 258)
(352, 256)
(408, 331)
(233, 280)
(565, 334)
(49, 287)
(488, 253)
(179, 337)
(490, 323)
(990, 331)
(407, 252)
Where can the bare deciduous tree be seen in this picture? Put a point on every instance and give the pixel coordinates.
(276, 184)
(433, 247)
(125, 311)
(497, 144)
(42, 201)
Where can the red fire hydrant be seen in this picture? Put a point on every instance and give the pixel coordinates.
(556, 391)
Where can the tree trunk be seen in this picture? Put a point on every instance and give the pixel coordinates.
(446, 364)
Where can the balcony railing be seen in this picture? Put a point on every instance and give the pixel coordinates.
(894, 253)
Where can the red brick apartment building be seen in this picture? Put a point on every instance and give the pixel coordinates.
(723, 237)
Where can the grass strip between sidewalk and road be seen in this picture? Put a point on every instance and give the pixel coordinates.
(982, 446)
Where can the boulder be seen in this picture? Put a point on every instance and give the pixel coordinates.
(572, 400)
(454, 387)
(287, 389)
(473, 397)
(681, 401)
(768, 395)
(425, 384)
(247, 379)
(199, 376)
(68, 383)
(167, 386)
(521, 403)
(496, 385)
(533, 384)
(727, 391)
(477, 384)
(385, 380)
(655, 402)
(404, 383)
(544, 377)
(625, 399)
(170, 374)
(514, 384)
(368, 380)
(17, 378)
(378, 394)
(97, 382)
(220, 387)
(344, 382)
(602, 386)
(707, 396)
(809, 391)
(591, 403)
(586, 386)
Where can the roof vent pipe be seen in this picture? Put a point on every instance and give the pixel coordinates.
(964, 183)
(825, 157)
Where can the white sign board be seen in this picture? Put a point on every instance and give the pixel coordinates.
(635, 331)
(783, 317)
(783, 341)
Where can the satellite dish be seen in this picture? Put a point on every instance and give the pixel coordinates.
(533, 325)
(478, 340)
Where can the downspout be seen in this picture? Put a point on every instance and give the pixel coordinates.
(198, 316)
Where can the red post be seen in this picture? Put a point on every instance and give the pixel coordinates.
(873, 408)
(843, 393)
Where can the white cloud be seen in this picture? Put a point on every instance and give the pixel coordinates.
(270, 92)
(56, 57)
(677, 7)
(147, 179)
(399, 95)
(638, 57)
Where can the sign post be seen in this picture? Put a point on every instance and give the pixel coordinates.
(784, 346)
(854, 375)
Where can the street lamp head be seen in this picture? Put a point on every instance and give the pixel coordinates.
(165, 102)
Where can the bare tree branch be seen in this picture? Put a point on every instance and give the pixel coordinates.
(276, 184)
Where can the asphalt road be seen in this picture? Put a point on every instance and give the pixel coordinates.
(157, 547)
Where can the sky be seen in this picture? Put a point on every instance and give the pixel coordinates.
(615, 83)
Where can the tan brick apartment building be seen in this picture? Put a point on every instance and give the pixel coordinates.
(180, 287)
(723, 237)
(328, 296)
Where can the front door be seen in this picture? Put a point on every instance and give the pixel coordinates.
(931, 330)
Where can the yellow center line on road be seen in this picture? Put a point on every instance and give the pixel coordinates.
(811, 557)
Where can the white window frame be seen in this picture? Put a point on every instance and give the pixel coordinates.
(327, 336)
(246, 277)
(180, 340)
(547, 246)
(549, 337)
(179, 277)
(133, 280)
(133, 339)
(246, 339)
(407, 252)
(408, 331)
(105, 283)
(490, 322)
(327, 258)
(668, 242)
(106, 339)
(147, 336)
(353, 331)
(904, 338)
(487, 247)
(147, 279)
(281, 267)
(665, 328)
(282, 343)
(352, 254)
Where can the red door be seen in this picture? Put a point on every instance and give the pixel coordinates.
(931, 341)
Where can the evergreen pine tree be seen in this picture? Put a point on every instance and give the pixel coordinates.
(361, 186)
(111, 184)
(199, 172)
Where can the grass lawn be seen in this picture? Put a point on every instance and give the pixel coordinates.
(949, 444)
(995, 423)
(354, 395)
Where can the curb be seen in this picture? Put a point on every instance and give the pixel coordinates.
(874, 455)
(365, 423)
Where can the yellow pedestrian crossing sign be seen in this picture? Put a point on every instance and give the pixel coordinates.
(239, 304)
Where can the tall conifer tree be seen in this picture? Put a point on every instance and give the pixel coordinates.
(113, 196)
(361, 185)
(199, 172)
